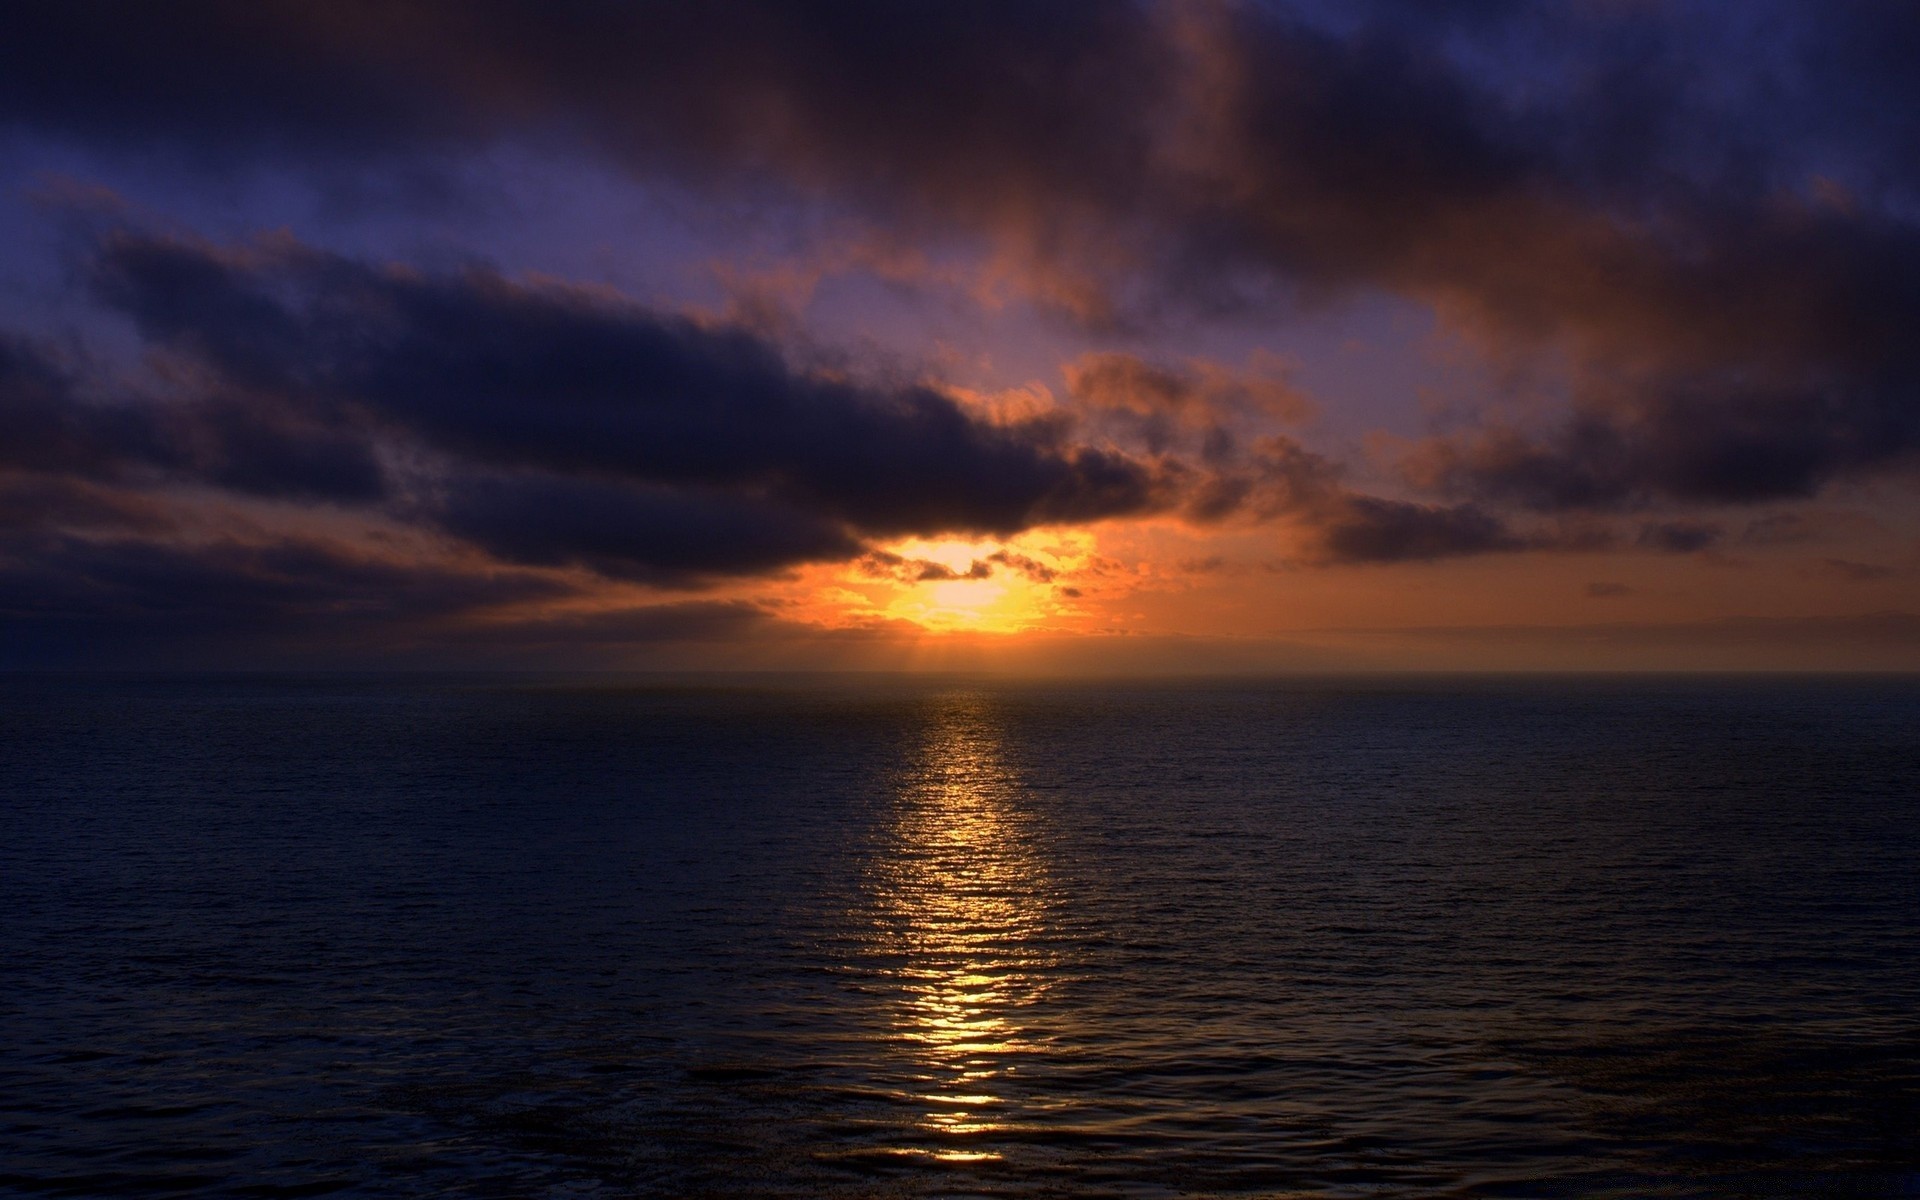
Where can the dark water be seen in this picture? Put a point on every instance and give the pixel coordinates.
(397, 938)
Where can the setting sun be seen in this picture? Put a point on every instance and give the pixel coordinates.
(965, 603)
(959, 585)
(951, 585)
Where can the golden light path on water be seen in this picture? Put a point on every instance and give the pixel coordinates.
(963, 904)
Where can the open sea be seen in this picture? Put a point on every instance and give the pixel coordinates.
(515, 937)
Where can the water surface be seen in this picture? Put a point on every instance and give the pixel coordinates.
(411, 937)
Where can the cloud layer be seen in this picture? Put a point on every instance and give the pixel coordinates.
(1710, 211)
(1701, 223)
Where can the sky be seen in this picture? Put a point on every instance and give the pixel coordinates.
(1182, 336)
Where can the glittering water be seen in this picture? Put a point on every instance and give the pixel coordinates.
(502, 938)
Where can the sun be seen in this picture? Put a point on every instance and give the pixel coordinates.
(978, 593)
(1037, 580)
(981, 604)
(970, 585)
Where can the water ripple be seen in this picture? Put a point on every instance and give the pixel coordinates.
(1463, 938)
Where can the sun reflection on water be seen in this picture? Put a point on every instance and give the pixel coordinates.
(963, 906)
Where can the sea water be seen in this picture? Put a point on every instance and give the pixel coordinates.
(772, 936)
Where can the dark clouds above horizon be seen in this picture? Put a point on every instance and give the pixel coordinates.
(1700, 221)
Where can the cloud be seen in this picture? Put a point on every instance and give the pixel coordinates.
(523, 376)
(559, 637)
(1337, 524)
(255, 444)
(155, 603)
(1194, 405)
(500, 424)
(882, 564)
(1715, 238)
(34, 502)
(1701, 223)
(1028, 567)
(546, 424)
(574, 429)
(1748, 437)
(118, 599)
(1788, 528)
(1197, 142)
(662, 535)
(1369, 529)
(1683, 536)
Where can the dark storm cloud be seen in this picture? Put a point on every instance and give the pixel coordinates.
(39, 502)
(120, 601)
(1679, 536)
(584, 427)
(65, 598)
(648, 533)
(48, 423)
(922, 93)
(488, 426)
(1339, 525)
(611, 630)
(1370, 529)
(1665, 441)
(1708, 206)
(227, 75)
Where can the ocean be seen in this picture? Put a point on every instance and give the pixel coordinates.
(916, 937)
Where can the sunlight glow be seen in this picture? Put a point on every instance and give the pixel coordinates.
(967, 604)
(982, 586)
(926, 592)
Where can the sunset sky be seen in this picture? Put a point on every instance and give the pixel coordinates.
(1019, 335)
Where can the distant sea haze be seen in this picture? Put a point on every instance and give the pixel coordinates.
(500, 937)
